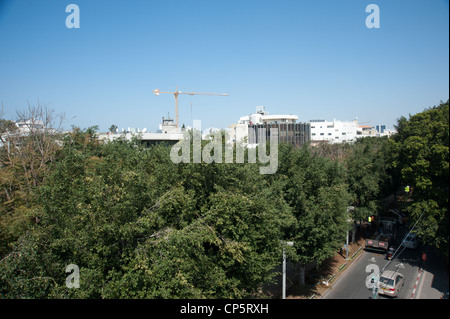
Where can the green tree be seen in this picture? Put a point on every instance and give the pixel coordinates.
(316, 191)
(140, 226)
(113, 128)
(26, 154)
(367, 177)
(421, 146)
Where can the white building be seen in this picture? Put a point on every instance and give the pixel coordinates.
(344, 131)
(30, 126)
(334, 132)
(167, 132)
(239, 132)
(262, 117)
(23, 129)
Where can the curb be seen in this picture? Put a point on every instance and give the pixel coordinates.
(344, 264)
(417, 283)
(340, 268)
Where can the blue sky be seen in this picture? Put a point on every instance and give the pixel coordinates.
(316, 59)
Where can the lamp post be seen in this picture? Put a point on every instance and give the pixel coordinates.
(349, 220)
(288, 243)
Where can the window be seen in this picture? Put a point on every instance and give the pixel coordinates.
(313, 134)
(321, 133)
(329, 133)
(387, 281)
(343, 133)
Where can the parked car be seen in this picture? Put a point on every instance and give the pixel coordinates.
(411, 241)
(390, 283)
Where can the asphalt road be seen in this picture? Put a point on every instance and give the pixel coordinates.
(352, 284)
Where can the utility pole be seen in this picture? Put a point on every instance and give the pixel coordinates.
(347, 247)
(176, 93)
(289, 243)
(349, 220)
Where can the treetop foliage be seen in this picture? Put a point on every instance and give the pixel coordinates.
(140, 226)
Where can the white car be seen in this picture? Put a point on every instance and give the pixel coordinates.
(411, 241)
(390, 283)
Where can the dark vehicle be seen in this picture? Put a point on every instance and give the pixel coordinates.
(390, 253)
(384, 237)
(379, 242)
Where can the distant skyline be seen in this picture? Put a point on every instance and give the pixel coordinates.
(315, 59)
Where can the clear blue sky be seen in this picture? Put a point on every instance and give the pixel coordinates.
(315, 58)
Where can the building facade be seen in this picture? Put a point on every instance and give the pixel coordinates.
(334, 132)
(344, 131)
(255, 128)
(291, 133)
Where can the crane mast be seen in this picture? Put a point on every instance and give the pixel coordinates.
(176, 93)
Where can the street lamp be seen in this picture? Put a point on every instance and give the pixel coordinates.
(349, 220)
(288, 243)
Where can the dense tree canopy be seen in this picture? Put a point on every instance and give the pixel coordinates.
(140, 226)
(421, 149)
(315, 189)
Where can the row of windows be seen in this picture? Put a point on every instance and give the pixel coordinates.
(297, 134)
(328, 126)
(314, 134)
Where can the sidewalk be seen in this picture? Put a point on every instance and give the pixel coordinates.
(433, 280)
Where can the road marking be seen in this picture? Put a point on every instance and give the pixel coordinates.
(419, 289)
(417, 282)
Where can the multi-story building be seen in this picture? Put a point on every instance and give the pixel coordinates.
(344, 131)
(167, 133)
(255, 128)
(333, 132)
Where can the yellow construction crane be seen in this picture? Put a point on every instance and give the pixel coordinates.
(176, 93)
